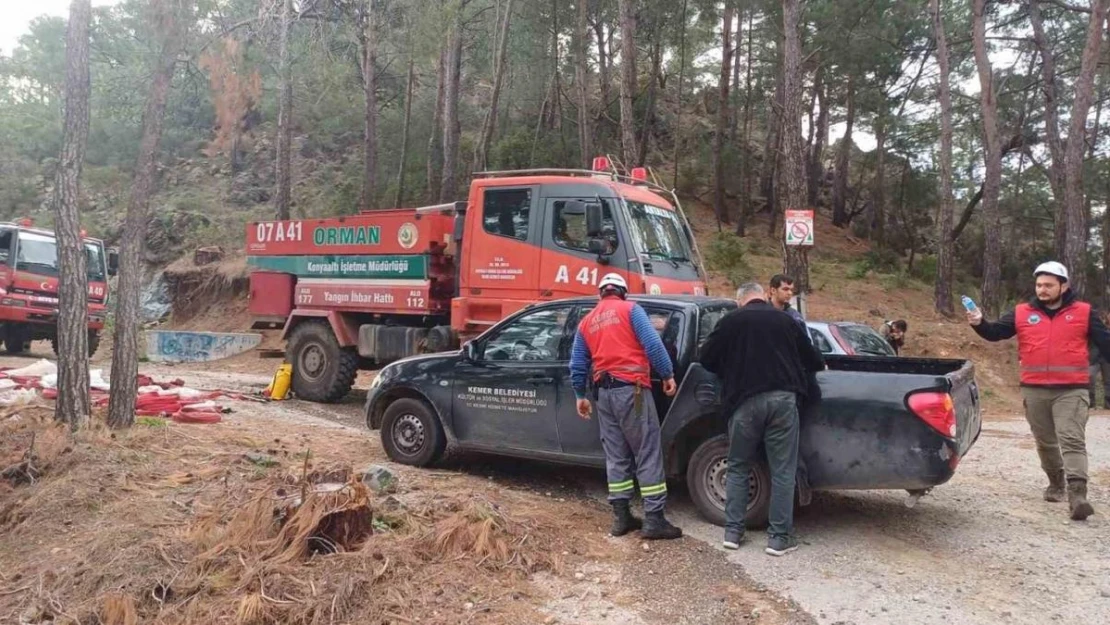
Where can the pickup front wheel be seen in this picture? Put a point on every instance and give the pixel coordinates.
(412, 434)
(705, 478)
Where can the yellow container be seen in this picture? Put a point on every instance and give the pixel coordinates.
(279, 387)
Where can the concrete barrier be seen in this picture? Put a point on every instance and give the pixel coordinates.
(167, 346)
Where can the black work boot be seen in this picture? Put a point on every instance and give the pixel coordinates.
(1055, 490)
(623, 521)
(1077, 500)
(657, 527)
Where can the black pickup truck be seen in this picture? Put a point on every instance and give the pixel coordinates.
(882, 423)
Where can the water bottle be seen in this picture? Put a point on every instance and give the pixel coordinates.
(969, 303)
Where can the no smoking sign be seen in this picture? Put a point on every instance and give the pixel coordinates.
(799, 227)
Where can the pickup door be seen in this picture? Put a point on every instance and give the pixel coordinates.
(508, 398)
(582, 438)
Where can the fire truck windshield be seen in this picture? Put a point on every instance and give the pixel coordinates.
(38, 254)
(657, 233)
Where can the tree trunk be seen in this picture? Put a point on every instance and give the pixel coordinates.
(451, 127)
(841, 218)
(555, 109)
(746, 148)
(582, 77)
(435, 143)
(1055, 172)
(628, 80)
(992, 156)
(648, 126)
(604, 76)
(285, 110)
(405, 126)
(1075, 247)
(719, 206)
(678, 109)
(796, 262)
(72, 406)
(942, 289)
(774, 180)
(821, 139)
(734, 99)
(370, 131)
(877, 223)
(1106, 250)
(125, 349)
(481, 154)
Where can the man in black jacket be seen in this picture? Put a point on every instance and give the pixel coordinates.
(764, 360)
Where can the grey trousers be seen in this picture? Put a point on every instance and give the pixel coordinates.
(770, 419)
(632, 445)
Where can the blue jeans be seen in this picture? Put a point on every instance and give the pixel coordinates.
(770, 419)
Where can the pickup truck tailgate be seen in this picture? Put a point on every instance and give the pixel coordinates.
(965, 397)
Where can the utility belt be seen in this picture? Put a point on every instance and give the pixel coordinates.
(608, 382)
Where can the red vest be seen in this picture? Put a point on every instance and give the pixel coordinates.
(613, 345)
(1053, 351)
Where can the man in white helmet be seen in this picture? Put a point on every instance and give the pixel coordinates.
(618, 342)
(1053, 332)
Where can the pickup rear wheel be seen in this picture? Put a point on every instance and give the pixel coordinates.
(705, 478)
(322, 370)
(412, 433)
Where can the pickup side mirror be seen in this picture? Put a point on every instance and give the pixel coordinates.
(593, 220)
(113, 262)
(470, 353)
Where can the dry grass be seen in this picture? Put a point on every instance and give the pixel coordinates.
(173, 525)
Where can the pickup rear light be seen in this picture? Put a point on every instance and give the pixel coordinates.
(936, 409)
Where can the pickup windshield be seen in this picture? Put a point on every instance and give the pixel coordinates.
(864, 340)
(657, 232)
(710, 316)
(38, 254)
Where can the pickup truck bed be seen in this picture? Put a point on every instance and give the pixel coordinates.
(879, 442)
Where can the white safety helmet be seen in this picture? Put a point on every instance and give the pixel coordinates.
(613, 281)
(1052, 268)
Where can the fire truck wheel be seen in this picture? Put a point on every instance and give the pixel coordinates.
(94, 343)
(322, 370)
(16, 341)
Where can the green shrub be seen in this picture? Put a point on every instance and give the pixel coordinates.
(859, 270)
(726, 254)
(925, 269)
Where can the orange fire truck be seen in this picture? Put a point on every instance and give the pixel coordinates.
(29, 286)
(364, 290)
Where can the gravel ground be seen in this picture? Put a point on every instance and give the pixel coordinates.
(983, 548)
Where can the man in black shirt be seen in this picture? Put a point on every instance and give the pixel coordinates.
(763, 359)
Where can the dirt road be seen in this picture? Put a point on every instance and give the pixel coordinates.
(983, 548)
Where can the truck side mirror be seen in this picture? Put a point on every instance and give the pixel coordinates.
(113, 262)
(593, 220)
(574, 207)
(470, 353)
(601, 248)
